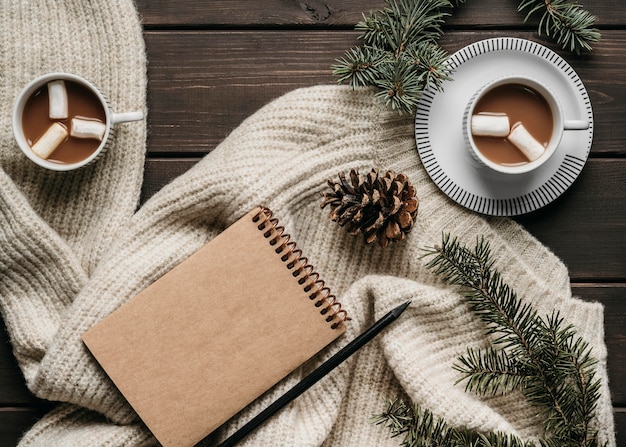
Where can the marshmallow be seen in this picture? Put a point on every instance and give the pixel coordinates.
(525, 142)
(50, 140)
(83, 128)
(57, 100)
(490, 125)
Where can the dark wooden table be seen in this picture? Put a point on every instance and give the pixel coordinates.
(213, 63)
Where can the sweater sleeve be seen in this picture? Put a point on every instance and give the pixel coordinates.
(69, 425)
(40, 278)
(56, 227)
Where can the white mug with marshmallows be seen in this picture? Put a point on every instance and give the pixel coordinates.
(498, 126)
(61, 124)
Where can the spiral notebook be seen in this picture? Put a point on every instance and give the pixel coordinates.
(217, 331)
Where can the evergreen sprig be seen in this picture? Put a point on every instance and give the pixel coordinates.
(401, 57)
(421, 428)
(541, 357)
(565, 21)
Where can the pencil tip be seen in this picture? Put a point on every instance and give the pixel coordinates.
(401, 308)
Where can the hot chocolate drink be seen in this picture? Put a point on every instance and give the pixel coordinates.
(68, 123)
(527, 110)
(62, 122)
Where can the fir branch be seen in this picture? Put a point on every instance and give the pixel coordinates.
(404, 22)
(401, 57)
(421, 428)
(360, 66)
(403, 79)
(546, 360)
(541, 357)
(430, 60)
(490, 372)
(565, 21)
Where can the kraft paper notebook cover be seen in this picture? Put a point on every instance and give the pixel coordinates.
(216, 331)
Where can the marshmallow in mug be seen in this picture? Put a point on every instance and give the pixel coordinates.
(493, 123)
(57, 133)
(498, 125)
(57, 99)
(60, 127)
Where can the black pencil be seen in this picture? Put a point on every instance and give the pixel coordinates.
(316, 375)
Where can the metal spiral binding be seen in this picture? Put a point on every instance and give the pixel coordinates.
(292, 256)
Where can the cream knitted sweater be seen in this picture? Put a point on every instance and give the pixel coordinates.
(72, 248)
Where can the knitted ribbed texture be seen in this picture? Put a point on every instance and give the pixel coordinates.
(58, 280)
(57, 227)
(103, 42)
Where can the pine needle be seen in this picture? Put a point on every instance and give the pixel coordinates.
(543, 358)
(565, 21)
(400, 55)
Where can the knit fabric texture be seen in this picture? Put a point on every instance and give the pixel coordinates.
(73, 249)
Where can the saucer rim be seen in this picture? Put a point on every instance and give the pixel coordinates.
(556, 182)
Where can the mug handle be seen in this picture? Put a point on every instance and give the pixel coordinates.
(575, 125)
(117, 118)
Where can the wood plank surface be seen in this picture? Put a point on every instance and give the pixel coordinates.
(585, 226)
(202, 84)
(337, 13)
(16, 420)
(214, 63)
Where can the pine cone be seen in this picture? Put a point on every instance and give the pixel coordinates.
(379, 207)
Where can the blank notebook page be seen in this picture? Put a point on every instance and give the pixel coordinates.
(216, 331)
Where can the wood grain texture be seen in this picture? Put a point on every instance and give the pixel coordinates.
(14, 421)
(214, 63)
(202, 84)
(13, 390)
(585, 227)
(337, 13)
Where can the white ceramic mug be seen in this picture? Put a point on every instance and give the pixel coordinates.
(560, 124)
(111, 120)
